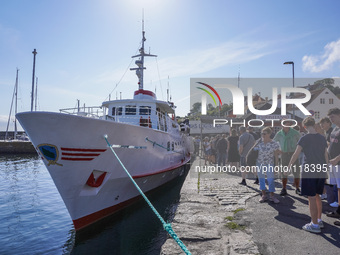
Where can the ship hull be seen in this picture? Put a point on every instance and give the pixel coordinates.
(89, 178)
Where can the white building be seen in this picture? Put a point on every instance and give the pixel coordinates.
(321, 101)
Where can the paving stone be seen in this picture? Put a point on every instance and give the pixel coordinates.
(200, 220)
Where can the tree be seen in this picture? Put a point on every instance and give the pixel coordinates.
(329, 83)
(325, 82)
(196, 109)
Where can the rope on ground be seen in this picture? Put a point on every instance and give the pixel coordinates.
(166, 226)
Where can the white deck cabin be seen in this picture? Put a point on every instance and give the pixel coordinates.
(143, 110)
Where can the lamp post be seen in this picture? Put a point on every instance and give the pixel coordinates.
(291, 63)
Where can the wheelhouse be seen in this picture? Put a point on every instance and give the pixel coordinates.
(143, 110)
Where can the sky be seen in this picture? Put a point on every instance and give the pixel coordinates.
(85, 46)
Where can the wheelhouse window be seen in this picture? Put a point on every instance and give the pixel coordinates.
(145, 110)
(119, 111)
(113, 111)
(130, 110)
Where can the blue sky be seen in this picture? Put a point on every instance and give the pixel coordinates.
(85, 47)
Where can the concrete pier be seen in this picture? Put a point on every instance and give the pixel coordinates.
(209, 217)
(225, 218)
(16, 147)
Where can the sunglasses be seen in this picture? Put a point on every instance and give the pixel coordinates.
(264, 133)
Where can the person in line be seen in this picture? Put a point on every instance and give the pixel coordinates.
(326, 125)
(207, 150)
(251, 131)
(233, 154)
(221, 147)
(314, 146)
(256, 137)
(214, 154)
(288, 138)
(246, 142)
(330, 191)
(334, 154)
(268, 152)
(197, 143)
(321, 132)
(301, 156)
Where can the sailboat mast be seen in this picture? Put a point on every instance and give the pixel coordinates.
(33, 75)
(16, 104)
(10, 111)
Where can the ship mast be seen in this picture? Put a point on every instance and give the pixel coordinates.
(33, 76)
(140, 62)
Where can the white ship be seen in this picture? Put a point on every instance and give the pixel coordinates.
(92, 183)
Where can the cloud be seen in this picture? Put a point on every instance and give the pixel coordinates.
(197, 61)
(322, 62)
(203, 60)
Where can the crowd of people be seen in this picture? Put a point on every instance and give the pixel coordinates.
(311, 155)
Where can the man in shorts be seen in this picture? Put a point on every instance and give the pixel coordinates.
(334, 155)
(314, 146)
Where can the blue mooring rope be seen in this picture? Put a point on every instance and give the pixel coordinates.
(154, 143)
(166, 226)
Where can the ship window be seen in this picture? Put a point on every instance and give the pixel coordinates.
(173, 146)
(168, 146)
(119, 111)
(113, 111)
(144, 110)
(130, 110)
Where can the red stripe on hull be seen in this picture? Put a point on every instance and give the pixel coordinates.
(77, 159)
(83, 150)
(80, 154)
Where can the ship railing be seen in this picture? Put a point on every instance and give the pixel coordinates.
(155, 120)
(95, 112)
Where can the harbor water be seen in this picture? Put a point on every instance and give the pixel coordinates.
(34, 219)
